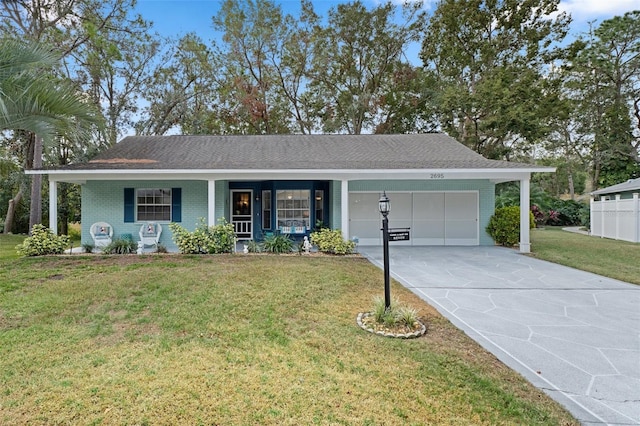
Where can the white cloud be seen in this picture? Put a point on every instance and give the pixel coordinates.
(587, 10)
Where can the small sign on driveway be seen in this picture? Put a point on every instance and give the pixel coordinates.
(399, 234)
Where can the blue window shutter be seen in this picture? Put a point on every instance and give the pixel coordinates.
(129, 204)
(176, 204)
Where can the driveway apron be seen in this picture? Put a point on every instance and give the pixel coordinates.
(573, 334)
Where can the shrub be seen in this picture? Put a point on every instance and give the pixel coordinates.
(571, 213)
(88, 247)
(253, 247)
(74, 234)
(277, 244)
(43, 242)
(541, 217)
(504, 225)
(121, 246)
(188, 242)
(204, 239)
(331, 241)
(222, 237)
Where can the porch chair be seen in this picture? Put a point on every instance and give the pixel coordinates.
(150, 234)
(102, 233)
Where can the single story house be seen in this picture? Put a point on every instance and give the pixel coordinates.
(615, 211)
(440, 189)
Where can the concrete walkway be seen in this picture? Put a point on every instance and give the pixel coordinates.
(571, 333)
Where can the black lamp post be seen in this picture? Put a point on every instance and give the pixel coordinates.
(384, 206)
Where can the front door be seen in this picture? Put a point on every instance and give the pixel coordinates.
(242, 214)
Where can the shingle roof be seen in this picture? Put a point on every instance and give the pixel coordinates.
(281, 152)
(630, 185)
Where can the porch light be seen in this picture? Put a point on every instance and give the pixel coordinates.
(384, 206)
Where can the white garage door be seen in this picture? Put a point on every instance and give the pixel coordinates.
(435, 218)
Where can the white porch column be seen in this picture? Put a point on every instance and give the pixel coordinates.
(211, 203)
(592, 222)
(344, 208)
(53, 206)
(525, 245)
(636, 217)
(617, 216)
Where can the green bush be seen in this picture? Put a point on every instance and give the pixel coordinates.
(43, 242)
(253, 247)
(571, 213)
(205, 239)
(222, 238)
(120, 246)
(504, 225)
(277, 244)
(331, 241)
(74, 234)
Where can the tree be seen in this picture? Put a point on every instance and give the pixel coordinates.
(105, 52)
(488, 58)
(254, 34)
(357, 57)
(113, 66)
(35, 101)
(604, 81)
(182, 92)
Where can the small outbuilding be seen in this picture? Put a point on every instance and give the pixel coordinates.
(615, 211)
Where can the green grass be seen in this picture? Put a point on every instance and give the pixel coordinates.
(235, 340)
(611, 258)
(8, 245)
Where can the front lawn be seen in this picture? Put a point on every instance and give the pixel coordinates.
(8, 245)
(611, 258)
(235, 339)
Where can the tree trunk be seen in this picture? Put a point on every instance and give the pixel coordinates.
(35, 216)
(571, 189)
(11, 211)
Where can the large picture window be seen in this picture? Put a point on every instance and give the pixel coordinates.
(292, 209)
(153, 204)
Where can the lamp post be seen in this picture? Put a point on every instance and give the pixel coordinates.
(384, 206)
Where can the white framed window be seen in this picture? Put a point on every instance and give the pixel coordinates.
(292, 208)
(153, 204)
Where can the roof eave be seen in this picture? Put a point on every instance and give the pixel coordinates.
(494, 174)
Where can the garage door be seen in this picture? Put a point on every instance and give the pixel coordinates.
(435, 218)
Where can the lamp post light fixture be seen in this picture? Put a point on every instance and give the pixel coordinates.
(384, 207)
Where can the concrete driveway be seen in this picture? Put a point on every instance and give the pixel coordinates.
(573, 334)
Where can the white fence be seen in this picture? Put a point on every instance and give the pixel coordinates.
(617, 219)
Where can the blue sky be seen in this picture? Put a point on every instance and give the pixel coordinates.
(178, 17)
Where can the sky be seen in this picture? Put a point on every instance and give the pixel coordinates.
(179, 17)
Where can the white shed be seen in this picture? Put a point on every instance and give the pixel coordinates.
(615, 211)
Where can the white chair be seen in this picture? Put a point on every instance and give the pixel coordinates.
(102, 233)
(150, 234)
